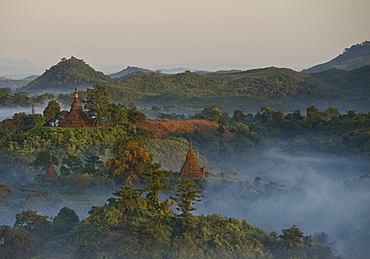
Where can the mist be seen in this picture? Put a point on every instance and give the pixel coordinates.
(309, 191)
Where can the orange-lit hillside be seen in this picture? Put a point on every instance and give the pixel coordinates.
(164, 128)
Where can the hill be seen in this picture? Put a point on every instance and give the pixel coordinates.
(356, 82)
(65, 76)
(279, 88)
(354, 57)
(12, 83)
(129, 71)
(164, 128)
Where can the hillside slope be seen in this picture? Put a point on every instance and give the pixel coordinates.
(354, 57)
(164, 128)
(129, 71)
(356, 82)
(66, 75)
(269, 82)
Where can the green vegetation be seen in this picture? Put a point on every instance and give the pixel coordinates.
(66, 75)
(12, 83)
(21, 99)
(128, 72)
(137, 224)
(355, 82)
(275, 84)
(354, 57)
(141, 220)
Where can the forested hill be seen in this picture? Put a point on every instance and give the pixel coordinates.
(66, 75)
(354, 57)
(129, 71)
(269, 82)
(356, 81)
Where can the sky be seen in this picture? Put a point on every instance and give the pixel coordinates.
(162, 33)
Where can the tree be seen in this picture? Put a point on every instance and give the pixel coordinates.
(291, 237)
(96, 99)
(238, 115)
(314, 117)
(93, 162)
(71, 164)
(130, 160)
(331, 112)
(135, 116)
(52, 113)
(15, 241)
(65, 221)
(36, 120)
(86, 250)
(155, 187)
(30, 221)
(42, 160)
(186, 196)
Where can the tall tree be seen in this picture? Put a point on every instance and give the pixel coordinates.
(186, 196)
(155, 187)
(97, 98)
(130, 160)
(52, 113)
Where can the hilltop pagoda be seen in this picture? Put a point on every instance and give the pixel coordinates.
(50, 173)
(191, 167)
(76, 117)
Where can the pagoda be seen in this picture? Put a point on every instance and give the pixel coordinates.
(191, 167)
(50, 173)
(76, 117)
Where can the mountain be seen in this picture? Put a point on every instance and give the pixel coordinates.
(214, 65)
(17, 69)
(129, 71)
(355, 82)
(65, 76)
(12, 83)
(354, 57)
(279, 88)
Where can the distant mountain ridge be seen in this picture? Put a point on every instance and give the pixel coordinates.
(354, 57)
(129, 71)
(17, 69)
(65, 76)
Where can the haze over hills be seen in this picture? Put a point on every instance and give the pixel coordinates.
(354, 57)
(65, 76)
(129, 71)
(17, 69)
(211, 66)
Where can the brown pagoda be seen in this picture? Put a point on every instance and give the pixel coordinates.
(76, 117)
(50, 173)
(191, 167)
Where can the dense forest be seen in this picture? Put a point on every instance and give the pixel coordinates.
(66, 75)
(279, 88)
(261, 168)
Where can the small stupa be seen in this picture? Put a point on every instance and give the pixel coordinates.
(50, 173)
(191, 167)
(76, 117)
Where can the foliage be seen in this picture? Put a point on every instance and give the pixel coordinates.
(14, 242)
(186, 196)
(67, 74)
(130, 160)
(52, 113)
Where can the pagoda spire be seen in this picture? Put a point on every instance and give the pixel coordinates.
(76, 105)
(191, 167)
(50, 172)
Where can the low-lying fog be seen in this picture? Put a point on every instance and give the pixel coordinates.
(311, 194)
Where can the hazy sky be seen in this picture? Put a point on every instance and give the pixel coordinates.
(146, 33)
